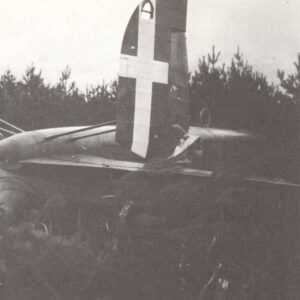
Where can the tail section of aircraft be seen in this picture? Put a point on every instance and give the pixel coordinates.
(153, 76)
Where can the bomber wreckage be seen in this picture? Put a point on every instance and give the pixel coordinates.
(169, 212)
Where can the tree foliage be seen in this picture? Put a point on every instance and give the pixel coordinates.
(236, 96)
(290, 102)
(291, 83)
(32, 104)
(240, 98)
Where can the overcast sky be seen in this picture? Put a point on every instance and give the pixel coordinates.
(87, 35)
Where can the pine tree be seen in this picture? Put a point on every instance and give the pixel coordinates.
(207, 87)
(291, 83)
(32, 104)
(237, 97)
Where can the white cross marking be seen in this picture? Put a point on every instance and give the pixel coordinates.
(146, 71)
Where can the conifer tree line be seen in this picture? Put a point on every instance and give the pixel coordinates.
(32, 104)
(237, 97)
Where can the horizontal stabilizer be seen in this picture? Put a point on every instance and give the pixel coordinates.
(89, 161)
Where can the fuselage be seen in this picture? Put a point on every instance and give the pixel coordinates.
(20, 183)
(36, 144)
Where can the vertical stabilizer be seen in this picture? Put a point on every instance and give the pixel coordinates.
(153, 76)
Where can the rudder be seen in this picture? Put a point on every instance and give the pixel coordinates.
(153, 76)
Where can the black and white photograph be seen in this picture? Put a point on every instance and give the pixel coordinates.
(149, 150)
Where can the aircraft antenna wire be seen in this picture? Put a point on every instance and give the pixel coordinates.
(7, 131)
(11, 126)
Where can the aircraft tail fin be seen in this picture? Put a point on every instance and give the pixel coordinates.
(153, 78)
